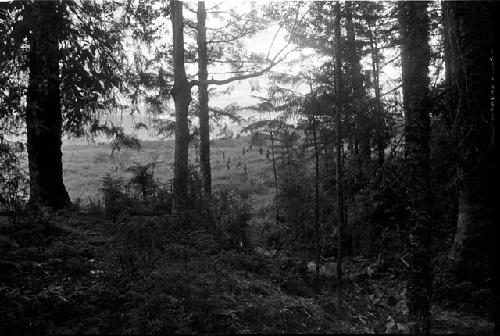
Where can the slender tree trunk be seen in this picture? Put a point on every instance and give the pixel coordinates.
(316, 202)
(469, 73)
(496, 77)
(379, 141)
(338, 174)
(181, 93)
(43, 110)
(415, 55)
(275, 177)
(203, 101)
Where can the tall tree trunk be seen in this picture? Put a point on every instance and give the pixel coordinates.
(379, 113)
(469, 73)
(496, 77)
(362, 129)
(338, 174)
(203, 101)
(316, 200)
(415, 55)
(43, 110)
(181, 93)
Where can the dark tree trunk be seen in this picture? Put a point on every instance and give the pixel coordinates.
(203, 101)
(469, 76)
(494, 14)
(181, 93)
(379, 113)
(415, 55)
(275, 177)
(361, 128)
(43, 110)
(338, 174)
(316, 200)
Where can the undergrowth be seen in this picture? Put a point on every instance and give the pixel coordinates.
(129, 266)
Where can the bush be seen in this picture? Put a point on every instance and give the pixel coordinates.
(232, 215)
(141, 195)
(114, 196)
(142, 180)
(13, 179)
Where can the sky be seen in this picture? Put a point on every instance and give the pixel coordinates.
(240, 92)
(269, 41)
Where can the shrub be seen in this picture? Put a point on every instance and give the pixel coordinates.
(232, 214)
(114, 196)
(142, 179)
(13, 179)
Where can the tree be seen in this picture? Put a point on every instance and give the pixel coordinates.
(415, 52)
(469, 74)
(43, 108)
(182, 97)
(240, 27)
(203, 100)
(311, 107)
(270, 126)
(370, 19)
(181, 93)
(64, 58)
(356, 91)
(339, 145)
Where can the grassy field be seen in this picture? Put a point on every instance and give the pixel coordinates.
(86, 165)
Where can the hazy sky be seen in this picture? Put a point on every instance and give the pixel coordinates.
(264, 42)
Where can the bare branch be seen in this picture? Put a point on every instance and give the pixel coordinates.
(390, 61)
(272, 42)
(247, 76)
(236, 37)
(272, 62)
(392, 90)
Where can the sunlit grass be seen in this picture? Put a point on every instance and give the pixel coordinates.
(85, 166)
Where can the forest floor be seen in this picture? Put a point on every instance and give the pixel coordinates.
(78, 273)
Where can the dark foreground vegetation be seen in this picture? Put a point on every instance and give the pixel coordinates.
(127, 268)
(365, 205)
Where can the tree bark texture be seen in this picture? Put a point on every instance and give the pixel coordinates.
(338, 174)
(181, 94)
(316, 197)
(43, 109)
(496, 77)
(469, 72)
(203, 101)
(415, 55)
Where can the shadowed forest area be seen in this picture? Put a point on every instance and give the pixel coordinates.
(248, 167)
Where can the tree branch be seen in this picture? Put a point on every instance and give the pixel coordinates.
(273, 62)
(236, 37)
(243, 77)
(392, 90)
